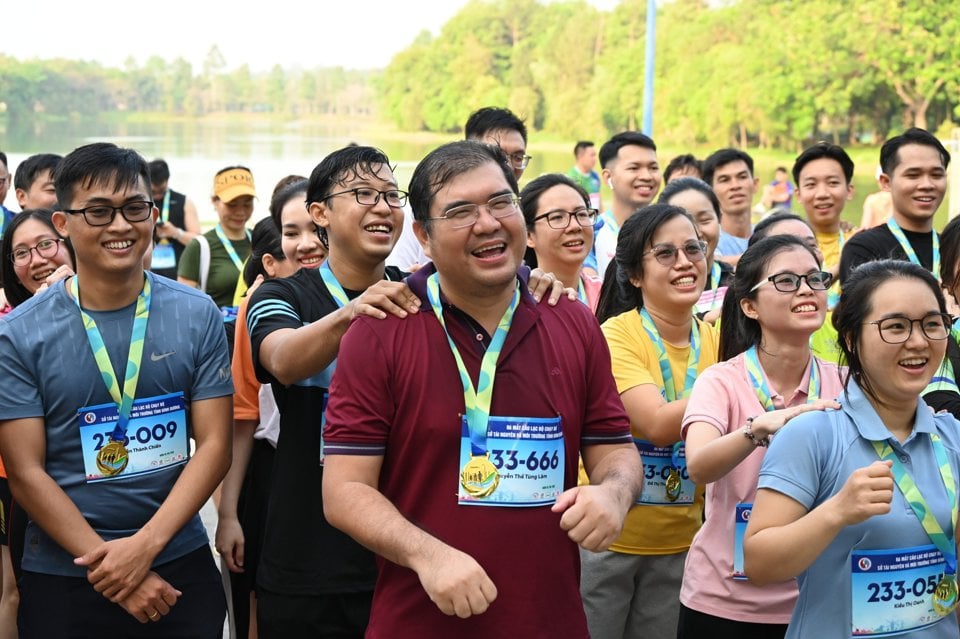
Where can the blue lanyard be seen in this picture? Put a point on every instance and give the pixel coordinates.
(755, 372)
(901, 238)
(669, 388)
(228, 245)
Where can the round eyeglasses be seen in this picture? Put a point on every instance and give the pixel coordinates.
(44, 248)
(898, 329)
(560, 220)
(666, 254)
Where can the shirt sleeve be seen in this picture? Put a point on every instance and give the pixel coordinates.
(854, 253)
(189, 265)
(792, 464)
(606, 421)
(246, 398)
(710, 401)
(627, 355)
(273, 307)
(213, 378)
(19, 392)
(360, 409)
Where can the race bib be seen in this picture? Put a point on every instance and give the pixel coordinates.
(742, 518)
(163, 255)
(658, 486)
(156, 436)
(529, 461)
(711, 299)
(892, 590)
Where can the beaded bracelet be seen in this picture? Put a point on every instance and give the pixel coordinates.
(748, 433)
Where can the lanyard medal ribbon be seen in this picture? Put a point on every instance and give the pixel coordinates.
(228, 246)
(946, 594)
(755, 372)
(112, 458)
(479, 476)
(908, 248)
(673, 482)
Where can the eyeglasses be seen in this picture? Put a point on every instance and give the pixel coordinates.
(561, 219)
(44, 248)
(369, 197)
(790, 282)
(518, 160)
(460, 217)
(898, 329)
(103, 214)
(666, 254)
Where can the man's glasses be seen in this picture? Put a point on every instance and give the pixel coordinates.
(790, 282)
(460, 217)
(44, 248)
(898, 329)
(369, 197)
(103, 214)
(519, 160)
(561, 219)
(666, 254)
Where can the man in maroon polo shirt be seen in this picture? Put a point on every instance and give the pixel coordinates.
(452, 436)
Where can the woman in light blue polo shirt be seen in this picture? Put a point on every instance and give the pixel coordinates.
(860, 504)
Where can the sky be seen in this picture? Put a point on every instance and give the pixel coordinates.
(290, 33)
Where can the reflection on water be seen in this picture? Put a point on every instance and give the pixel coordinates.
(197, 149)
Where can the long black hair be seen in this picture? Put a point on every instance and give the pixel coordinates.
(636, 236)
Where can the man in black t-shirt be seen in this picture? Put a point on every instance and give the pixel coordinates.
(914, 168)
(313, 580)
(179, 222)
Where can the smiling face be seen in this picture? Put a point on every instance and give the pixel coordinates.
(781, 313)
(917, 186)
(116, 248)
(823, 191)
(701, 210)
(34, 273)
(481, 259)
(570, 245)
(634, 175)
(362, 233)
(234, 214)
(299, 239)
(898, 373)
(676, 288)
(734, 185)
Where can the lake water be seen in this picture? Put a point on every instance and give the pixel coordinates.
(272, 149)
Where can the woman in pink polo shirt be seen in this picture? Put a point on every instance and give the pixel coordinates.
(767, 376)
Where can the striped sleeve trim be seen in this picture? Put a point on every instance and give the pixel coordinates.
(336, 448)
(607, 438)
(269, 308)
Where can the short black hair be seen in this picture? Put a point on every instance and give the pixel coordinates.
(762, 229)
(447, 162)
(611, 147)
(688, 183)
(159, 171)
(340, 166)
(819, 151)
(3, 158)
(889, 152)
(679, 162)
(580, 146)
(487, 119)
(33, 167)
(724, 157)
(99, 164)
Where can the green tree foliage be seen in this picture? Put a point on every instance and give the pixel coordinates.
(762, 72)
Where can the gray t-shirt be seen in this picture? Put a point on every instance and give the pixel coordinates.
(48, 370)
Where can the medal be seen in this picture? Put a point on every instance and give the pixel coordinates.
(479, 476)
(112, 459)
(672, 488)
(945, 596)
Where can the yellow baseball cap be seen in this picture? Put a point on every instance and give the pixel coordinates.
(233, 183)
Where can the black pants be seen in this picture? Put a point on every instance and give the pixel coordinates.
(696, 625)
(55, 607)
(333, 616)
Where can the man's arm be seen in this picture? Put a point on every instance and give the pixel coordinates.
(453, 580)
(23, 447)
(593, 515)
(123, 563)
(292, 354)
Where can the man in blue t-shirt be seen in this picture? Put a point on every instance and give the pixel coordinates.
(107, 377)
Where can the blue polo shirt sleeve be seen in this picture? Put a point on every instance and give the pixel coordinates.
(19, 391)
(792, 464)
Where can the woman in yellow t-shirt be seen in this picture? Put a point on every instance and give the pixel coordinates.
(657, 349)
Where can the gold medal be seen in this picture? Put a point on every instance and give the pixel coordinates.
(945, 596)
(479, 476)
(673, 485)
(112, 458)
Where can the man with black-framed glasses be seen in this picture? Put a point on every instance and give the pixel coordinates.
(107, 377)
